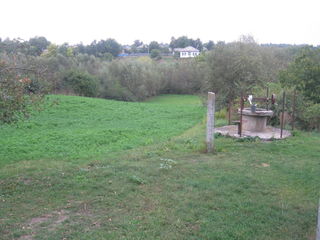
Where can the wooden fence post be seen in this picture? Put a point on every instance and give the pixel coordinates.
(210, 121)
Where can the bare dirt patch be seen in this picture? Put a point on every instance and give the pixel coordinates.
(52, 221)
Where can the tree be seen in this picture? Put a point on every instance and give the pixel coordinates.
(51, 51)
(184, 41)
(112, 46)
(135, 45)
(154, 45)
(233, 69)
(209, 45)
(181, 42)
(38, 45)
(92, 48)
(304, 74)
(99, 49)
(14, 46)
(70, 52)
(197, 44)
(80, 48)
(63, 49)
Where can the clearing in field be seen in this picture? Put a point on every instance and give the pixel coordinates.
(99, 169)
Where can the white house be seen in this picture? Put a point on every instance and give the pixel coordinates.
(187, 52)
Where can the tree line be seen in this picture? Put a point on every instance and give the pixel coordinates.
(36, 67)
(108, 48)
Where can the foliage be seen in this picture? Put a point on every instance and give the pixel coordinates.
(312, 116)
(209, 45)
(34, 47)
(184, 41)
(222, 114)
(139, 47)
(306, 112)
(65, 50)
(100, 48)
(182, 77)
(155, 54)
(234, 69)
(37, 45)
(228, 69)
(154, 46)
(111, 46)
(304, 74)
(136, 80)
(19, 93)
(51, 51)
(137, 43)
(81, 83)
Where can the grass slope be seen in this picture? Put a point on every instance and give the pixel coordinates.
(81, 128)
(168, 190)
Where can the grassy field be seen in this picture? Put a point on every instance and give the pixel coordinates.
(77, 128)
(152, 182)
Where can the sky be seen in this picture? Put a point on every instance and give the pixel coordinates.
(75, 21)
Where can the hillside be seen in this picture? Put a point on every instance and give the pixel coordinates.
(99, 169)
(81, 128)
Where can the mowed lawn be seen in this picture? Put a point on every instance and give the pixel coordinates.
(153, 180)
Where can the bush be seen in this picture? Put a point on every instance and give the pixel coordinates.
(155, 54)
(81, 83)
(133, 80)
(312, 116)
(18, 94)
(304, 74)
(181, 77)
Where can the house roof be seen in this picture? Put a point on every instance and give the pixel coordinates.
(186, 49)
(143, 46)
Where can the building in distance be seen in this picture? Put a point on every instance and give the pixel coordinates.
(187, 52)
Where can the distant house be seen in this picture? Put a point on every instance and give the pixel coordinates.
(187, 52)
(143, 48)
(126, 48)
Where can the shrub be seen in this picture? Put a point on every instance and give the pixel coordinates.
(312, 116)
(18, 94)
(304, 74)
(133, 80)
(182, 77)
(81, 83)
(155, 54)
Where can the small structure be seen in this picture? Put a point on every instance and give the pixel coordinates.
(187, 52)
(268, 134)
(253, 122)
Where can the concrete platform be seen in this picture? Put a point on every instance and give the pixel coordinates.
(269, 133)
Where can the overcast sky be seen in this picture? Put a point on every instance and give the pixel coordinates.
(75, 21)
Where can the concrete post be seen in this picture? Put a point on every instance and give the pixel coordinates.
(318, 225)
(210, 122)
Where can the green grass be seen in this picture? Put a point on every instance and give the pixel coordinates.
(82, 128)
(171, 99)
(168, 189)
